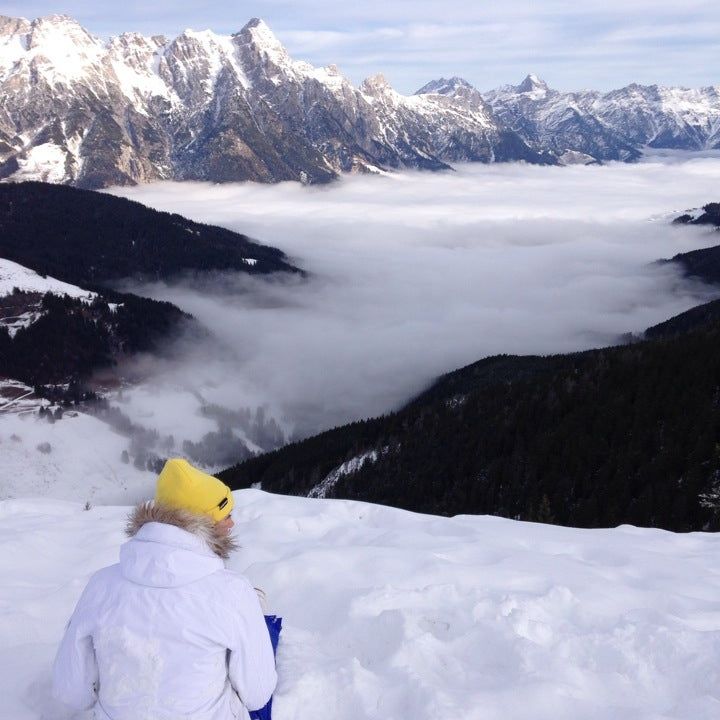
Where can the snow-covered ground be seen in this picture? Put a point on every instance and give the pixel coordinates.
(13, 275)
(75, 458)
(394, 615)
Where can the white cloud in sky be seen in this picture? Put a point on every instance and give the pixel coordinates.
(416, 274)
(595, 44)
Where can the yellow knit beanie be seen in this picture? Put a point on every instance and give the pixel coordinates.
(182, 486)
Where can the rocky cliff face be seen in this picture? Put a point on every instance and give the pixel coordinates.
(91, 113)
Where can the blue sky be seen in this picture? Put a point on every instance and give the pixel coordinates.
(589, 44)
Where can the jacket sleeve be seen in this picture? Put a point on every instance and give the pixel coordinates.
(75, 671)
(252, 662)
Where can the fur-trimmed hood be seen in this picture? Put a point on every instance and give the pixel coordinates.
(201, 526)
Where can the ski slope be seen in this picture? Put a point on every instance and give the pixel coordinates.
(395, 615)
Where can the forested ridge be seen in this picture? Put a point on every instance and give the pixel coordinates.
(72, 337)
(89, 238)
(625, 434)
(703, 264)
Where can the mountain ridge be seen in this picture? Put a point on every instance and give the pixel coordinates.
(203, 106)
(615, 125)
(100, 238)
(591, 439)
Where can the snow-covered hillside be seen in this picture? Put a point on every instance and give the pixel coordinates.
(85, 457)
(17, 276)
(16, 315)
(394, 615)
(77, 458)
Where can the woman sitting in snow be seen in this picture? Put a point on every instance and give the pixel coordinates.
(169, 632)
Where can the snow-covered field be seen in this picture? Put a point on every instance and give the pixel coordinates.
(394, 615)
(76, 458)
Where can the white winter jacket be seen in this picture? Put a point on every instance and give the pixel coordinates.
(167, 633)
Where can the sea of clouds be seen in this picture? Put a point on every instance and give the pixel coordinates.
(414, 274)
(409, 276)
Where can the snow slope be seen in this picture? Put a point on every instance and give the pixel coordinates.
(347, 468)
(13, 275)
(77, 457)
(394, 615)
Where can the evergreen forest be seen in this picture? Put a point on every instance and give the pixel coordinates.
(625, 434)
(90, 238)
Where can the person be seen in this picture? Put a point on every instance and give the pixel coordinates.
(169, 632)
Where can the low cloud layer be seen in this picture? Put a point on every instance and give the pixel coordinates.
(413, 275)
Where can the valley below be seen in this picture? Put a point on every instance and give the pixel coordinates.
(407, 277)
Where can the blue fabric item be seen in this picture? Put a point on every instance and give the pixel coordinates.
(274, 626)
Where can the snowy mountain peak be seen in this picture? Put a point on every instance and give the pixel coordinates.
(59, 33)
(261, 52)
(56, 20)
(59, 30)
(48, 52)
(12, 26)
(258, 33)
(444, 86)
(49, 28)
(132, 40)
(257, 24)
(375, 85)
(196, 42)
(532, 83)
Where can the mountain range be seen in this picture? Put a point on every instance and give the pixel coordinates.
(202, 106)
(80, 110)
(609, 126)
